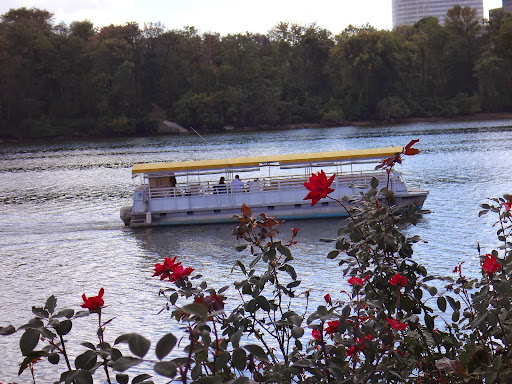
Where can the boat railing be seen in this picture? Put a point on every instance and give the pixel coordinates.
(265, 184)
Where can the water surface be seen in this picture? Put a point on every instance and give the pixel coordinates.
(60, 231)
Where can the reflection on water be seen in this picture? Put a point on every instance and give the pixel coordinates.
(60, 231)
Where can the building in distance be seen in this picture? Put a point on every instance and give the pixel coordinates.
(408, 12)
(507, 7)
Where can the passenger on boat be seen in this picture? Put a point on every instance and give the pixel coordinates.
(255, 185)
(236, 184)
(220, 187)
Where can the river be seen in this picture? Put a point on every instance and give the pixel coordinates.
(60, 231)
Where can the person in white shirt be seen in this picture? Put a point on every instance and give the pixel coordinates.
(236, 184)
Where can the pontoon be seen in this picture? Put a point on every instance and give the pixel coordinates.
(189, 192)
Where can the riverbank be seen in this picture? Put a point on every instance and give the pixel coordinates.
(376, 123)
(232, 129)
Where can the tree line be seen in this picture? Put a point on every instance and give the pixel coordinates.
(76, 80)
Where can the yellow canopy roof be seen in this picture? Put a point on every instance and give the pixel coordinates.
(240, 162)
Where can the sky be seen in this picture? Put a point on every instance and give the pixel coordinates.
(222, 16)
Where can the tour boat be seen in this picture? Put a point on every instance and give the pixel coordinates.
(190, 192)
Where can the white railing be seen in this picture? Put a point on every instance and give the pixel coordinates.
(268, 184)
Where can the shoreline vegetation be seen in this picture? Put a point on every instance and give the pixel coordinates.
(178, 130)
(79, 81)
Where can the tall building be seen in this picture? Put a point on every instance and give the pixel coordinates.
(507, 5)
(410, 11)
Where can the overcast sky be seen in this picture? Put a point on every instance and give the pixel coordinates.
(222, 16)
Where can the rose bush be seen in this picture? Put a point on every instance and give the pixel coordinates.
(387, 323)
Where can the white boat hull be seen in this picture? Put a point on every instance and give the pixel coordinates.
(208, 208)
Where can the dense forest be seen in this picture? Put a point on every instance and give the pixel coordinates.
(76, 80)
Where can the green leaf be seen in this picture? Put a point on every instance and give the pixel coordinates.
(88, 345)
(223, 289)
(165, 345)
(63, 327)
(140, 378)
(454, 304)
(432, 291)
(115, 354)
(196, 371)
(86, 360)
(65, 313)
(53, 358)
(429, 322)
(374, 183)
(51, 303)
(124, 338)
(290, 270)
(7, 330)
(210, 380)
(40, 312)
(333, 254)
(82, 313)
(297, 332)
(165, 368)
(478, 320)
(196, 309)
(29, 340)
(441, 303)
(240, 380)
(284, 251)
(29, 359)
(254, 262)
(239, 359)
(240, 248)
(125, 362)
(491, 377)
(46, 333)
(235, 338)
(293, 284)
(82, 377)
(122, 378)
(257, 351)
(138, 344)
(222, 361)
(263, 303)
(355, 236)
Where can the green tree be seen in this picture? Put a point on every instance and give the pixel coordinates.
(463, 28)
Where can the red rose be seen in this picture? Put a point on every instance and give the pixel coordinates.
(490, 265)
(327, 299)
(359, 346)
(93, 303)
(212, 302)
(351, 350)
(398, 279)
(397, 325)
(164, 270)
(357, 280)
(318, 185)
(180, 272)
(172, 270)
(507, 205)
(332, 326)
(317, 335)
